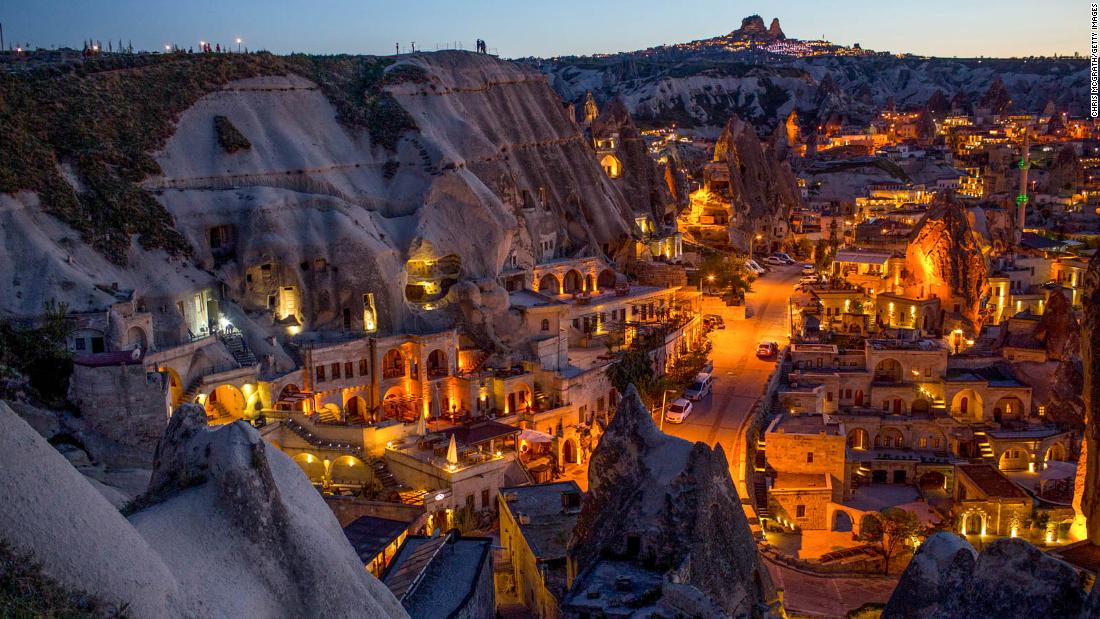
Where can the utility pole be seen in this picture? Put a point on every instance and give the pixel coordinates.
(1, 36)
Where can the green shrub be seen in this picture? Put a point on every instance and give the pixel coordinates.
(229, 138)
(25, 591)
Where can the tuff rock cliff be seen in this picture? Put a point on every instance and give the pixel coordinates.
(1010, 579)
(228, 528)
(944, 258)
(762, 188)
(677, 502)
(1086, 496)
(462, 158)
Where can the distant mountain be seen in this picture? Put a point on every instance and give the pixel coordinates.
(761, 75)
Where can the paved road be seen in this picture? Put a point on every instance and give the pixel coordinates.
(739, 374)
(739, 381)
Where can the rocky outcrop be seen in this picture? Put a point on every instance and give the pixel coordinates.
(229, 528)
(1010, 578)
(669, 506)
(944, 258)
(1086, 499)
(1058, 329)
(762, 189)
(641, 182)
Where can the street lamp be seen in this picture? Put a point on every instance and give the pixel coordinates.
(664, 400)
(758, 237)
(238, 45)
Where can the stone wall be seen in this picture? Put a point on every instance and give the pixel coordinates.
(124, 403)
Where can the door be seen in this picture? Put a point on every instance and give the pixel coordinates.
(859, 397)
(897, 406)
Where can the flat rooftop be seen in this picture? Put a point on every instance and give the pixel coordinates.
(549, 526)
(802, 481)
(610, 585)
(992, 482)
(806, 424)
(529, 298)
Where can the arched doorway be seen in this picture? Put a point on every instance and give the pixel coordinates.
(355, 410)
(898, 406)
(611, 166)
(888, 371)
(1007, 409)
(573, 282)
(1057, 451)
(437, 364)
(973, 523)
(225, 404)
(135, 338)
(921, 406)
(1014, 459)
(589, 283)
(312, 466)
(349, 471)
(393, 364)
(842, 521)
(175, 385)
(569, 452)
(606, 279)
(858, 438)
(859, 397)
(397, 405)
(967, 404)
(290, 399)
(550, 285)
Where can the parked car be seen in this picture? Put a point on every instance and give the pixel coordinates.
(809, 279)
(784, 257)
(714, 321)
(700, 387)
(775, 260)
(678, 411)
(808, 268)
(767, 350)
(755, 267)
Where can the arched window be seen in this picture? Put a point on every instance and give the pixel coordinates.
(545, 324)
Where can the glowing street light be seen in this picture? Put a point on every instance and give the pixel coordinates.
(238, 45)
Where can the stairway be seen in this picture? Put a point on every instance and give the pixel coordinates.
(325, 415)
(235, 344)
(383, 474)
(760, 495)
(983, 445)
(192, 391)
(220, 411)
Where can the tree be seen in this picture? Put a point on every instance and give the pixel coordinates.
(823, 255)
(891, 529)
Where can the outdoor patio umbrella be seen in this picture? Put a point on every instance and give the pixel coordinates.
(452, 451)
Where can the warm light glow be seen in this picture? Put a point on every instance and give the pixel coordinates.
(1013, 532)
(439, 497)
(293, 330)
(710, 278)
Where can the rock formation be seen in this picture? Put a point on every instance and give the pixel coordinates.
(1086, 496)
(944, 259)
(230, 528)
(762, 189)
(326, 209)
(645, 189)
(670, 507)
(1010, 578)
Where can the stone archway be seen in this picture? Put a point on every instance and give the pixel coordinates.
(859, 397)
(972, 522)
(920, 406)
(437, 364)
(393, 364)
(349, 471)
(858, 438)
(549, 284)
(225, 404)
(355, 410)
(967, 404)
(573, 282)
(611, 166)
(1057, 451)
(136, 338)
(1008, 408)
(1014, 458)
(175, 385)
(569, 453)
(888, 371)
(842, 521)
(312, 466)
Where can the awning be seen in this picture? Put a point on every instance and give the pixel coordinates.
(534, 436)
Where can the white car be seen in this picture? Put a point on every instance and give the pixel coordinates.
(754, 267)
(808, 269)
(784, 257)
(775, 260)
(678, 411)
(700, 387)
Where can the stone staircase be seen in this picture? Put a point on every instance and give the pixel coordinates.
(236, 345)
(219, 410)
(985, 449)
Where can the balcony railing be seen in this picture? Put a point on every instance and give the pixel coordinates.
(393, 372)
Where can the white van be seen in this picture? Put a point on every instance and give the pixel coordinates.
(700, 387)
